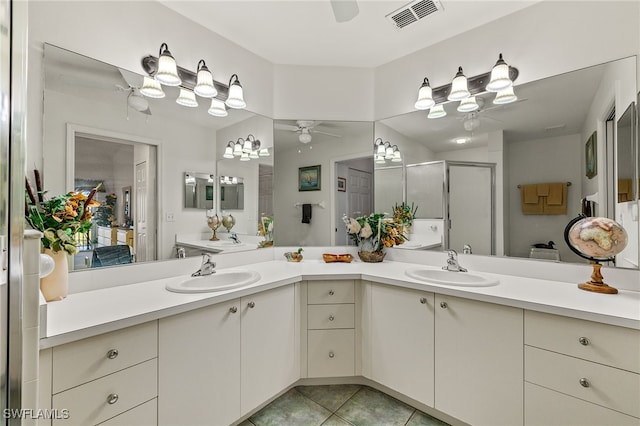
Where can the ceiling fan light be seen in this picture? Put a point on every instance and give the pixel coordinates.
(151, 88)
(187, 98)
(228, 151)
(304, 137)
(264, 152)
(237, 149)
(437, 111)
(461, 141)
(204, 82)
(499, 76)
(459, 89)
(425, 96)
(217, 108)
(245, 156)
(136, 101)
(468, 105)
(167, 73)
(471, 124)
(236, 95)
(505, 96)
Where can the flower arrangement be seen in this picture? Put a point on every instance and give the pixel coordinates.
(374, 232)
(105, 215)
(59, 218)
(404, 213)
(265, 229)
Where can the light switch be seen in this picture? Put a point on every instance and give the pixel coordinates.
(171, 217)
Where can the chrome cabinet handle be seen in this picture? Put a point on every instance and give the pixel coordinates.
(112, 354)
(112, 398)
(584, 383)
(583, 341)
(331, 354)
(251, 304)
(331, 293)
(233, 309)
(444, 305)
(423, 300)
(331, 318)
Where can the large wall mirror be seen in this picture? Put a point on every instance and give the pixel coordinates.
(541, 138)
(98, 128)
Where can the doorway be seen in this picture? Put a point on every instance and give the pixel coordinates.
(354, 193)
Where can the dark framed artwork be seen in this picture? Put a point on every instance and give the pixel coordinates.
(209, 192)
(342, 184)
(591, 156)
(309, 178)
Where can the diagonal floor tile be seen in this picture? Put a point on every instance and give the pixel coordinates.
(336, 421)
(330, 397)
(421, 419)
(370, 407)
(291, 409)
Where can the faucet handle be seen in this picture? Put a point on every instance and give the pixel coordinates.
(206, 258)
(452, 253)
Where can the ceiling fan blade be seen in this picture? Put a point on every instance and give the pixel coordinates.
(344, 10)
(333, 135)
(288, 127)
(496, 106)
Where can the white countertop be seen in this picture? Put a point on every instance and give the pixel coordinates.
(91, 313)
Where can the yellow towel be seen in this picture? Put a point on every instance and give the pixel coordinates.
(530, 207)
(556, 202)
(530, 194)
(625, 190)
(543, 189)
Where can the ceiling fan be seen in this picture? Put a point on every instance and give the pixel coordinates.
(344, 10)
(135, 99)
(304, 129)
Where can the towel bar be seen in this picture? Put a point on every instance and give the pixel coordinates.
(321, 204)
(568, 184)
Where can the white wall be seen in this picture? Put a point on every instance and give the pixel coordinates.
(480, 154)
(556, 159)
(412, 151)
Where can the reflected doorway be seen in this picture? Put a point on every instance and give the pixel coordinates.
(354, 193)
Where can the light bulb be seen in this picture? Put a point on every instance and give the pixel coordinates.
(425, 96)
(459, 89)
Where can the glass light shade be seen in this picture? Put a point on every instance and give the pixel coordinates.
(437, 112)
(167, 73)
(187, 98)
(505, 96)
(469, 104)
(204, 83)
(304, 137)
(234, 180)
(245, 156)
(425, 96)
(217, 108)
(228, 152)
(380, 159)
(236, 96)
(151, 88)
(237, 149)
(381, 150)
(397, 157)
(254, 155)
(389, 153)
(499, 76)
(459, 89)
(247, 147)
(264, 152)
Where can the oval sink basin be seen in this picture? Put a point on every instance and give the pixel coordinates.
(220, 281)
(465, 279)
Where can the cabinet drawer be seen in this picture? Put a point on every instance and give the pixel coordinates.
(142, 415)
(331, 316)
(331, 353)
(339, 291)
(606, 344)
(607, 386)
(88, 404)
(544, 407)
(79, 362)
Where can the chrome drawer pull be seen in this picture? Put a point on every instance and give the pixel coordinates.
(331, 293)
(584, 383)
(233, 309)
(331, 318)
(251, 304)
(112, 398)
(423, 300)
(443, 305)
(112, 354)
(331, 354)
(583, 341)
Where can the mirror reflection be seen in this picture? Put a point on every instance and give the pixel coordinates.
(198, 190)
(625, 156)
(540, 139)
(231, 193)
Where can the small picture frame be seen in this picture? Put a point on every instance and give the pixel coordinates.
(309, 178)
(342, 184)
(591, 156)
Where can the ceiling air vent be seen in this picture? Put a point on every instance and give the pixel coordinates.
(412, 12)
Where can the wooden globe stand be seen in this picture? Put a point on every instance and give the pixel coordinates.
(596, 284)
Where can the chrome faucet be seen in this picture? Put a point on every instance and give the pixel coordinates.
(452, 262)
(466, 249)
(234, 238)
(207, 267)
(181, 252)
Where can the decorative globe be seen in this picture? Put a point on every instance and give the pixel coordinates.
(228, 222)
(595, 238)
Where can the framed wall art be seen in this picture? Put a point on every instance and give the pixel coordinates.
(309, 178)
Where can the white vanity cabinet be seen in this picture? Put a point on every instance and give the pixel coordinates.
(402, 340)
(580, 372)
(479, 361)
(199, 366)
(105, 378)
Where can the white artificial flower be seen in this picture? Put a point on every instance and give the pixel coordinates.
(353, 227)
(366, 231)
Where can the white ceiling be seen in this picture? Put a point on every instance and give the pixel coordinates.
(304, 32)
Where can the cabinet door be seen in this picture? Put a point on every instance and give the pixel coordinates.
(402, 341)
(268, 356)
(479, 361)
(199, 366)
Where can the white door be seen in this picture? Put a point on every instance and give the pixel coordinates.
(470, 208)
(140, 212)
(360, 200)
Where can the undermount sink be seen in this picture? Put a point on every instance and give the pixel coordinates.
(438, 276)
(219, 281)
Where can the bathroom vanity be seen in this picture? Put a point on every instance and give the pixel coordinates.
(525, 351)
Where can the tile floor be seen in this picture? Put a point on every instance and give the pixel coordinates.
(339, 405)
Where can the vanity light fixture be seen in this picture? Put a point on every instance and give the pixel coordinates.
(499, 76)
(389, 151)
(384, 151)
(437, 112)
(151, 88)
(254, 155)
(380, 159)
(505, 96)
(204, 81)
(248, 148)
(237, 148)
(459, 89)
(380, 150)
(167, 73)
(425, 96)
(187, 98)
(468, 105)
(397, 157)
(264, 152)
(244, 157)
(236, 95)
(228, 150)
(217, 108)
